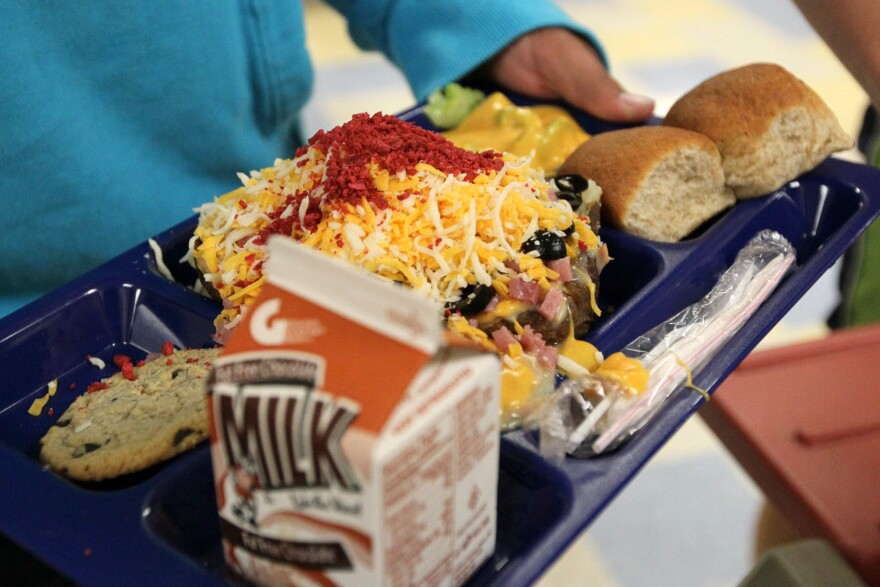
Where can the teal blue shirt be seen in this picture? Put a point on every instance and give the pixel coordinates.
(120, 117)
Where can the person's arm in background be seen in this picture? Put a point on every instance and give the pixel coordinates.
(529, 47)
(852, 30)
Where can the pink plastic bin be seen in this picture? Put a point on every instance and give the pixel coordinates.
(804, 422)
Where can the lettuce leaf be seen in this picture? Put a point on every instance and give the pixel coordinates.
(447, 106)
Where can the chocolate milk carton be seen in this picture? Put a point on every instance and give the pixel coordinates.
(351, 445)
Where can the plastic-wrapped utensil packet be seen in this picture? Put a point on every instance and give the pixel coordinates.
(590, 415)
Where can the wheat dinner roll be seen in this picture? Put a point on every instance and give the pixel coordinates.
(769, 126)
(657, 182)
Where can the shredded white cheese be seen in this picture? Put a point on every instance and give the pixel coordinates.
(160, 263)
(82, 426)
(438, 232)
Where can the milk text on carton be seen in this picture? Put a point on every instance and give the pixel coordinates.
(350, 445)
(314, 459)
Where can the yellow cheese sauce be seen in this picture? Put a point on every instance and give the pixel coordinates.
(508, 309)
(581, 352)
(518, 382)
(546, 133)
(629, 372)
(522, 379)
(626, 370)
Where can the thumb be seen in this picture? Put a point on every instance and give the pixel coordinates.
(602, 96)
(555, 63)
(572, 67)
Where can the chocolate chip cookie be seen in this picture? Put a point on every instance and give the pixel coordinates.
(136, 418)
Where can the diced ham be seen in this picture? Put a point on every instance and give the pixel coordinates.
(531, 340)
(503, 338)
(526, 291)
(553, 301)
(547, 357)
(562, 267)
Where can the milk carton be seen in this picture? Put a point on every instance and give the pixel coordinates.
(351, 445)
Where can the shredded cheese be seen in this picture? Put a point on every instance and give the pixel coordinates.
(39, 403)
(80, 427)
(457, 224)
(690, 380)
(160, 263)
(438, 233)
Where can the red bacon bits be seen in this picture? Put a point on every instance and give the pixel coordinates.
(167, 348)
(97, 386)
(288, 226)
(125, 365)
(128, 371)
(394, 145)
(120, 360)
(380, 139)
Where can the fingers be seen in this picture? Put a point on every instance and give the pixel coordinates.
(602, 96)
(555, 63)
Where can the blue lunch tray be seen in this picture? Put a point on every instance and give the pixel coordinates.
(160, 526)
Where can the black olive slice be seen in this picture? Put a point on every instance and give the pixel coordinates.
(474, 299)
(572, 183)
(548, 245)
(573, 198)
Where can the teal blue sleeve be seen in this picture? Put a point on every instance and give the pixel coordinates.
(436, 42)
(119, 118)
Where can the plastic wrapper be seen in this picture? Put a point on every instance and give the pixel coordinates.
(590, 415)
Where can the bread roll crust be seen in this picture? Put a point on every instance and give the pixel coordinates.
(657, 182)
(768, 125)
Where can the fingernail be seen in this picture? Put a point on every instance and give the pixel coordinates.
(636, 100)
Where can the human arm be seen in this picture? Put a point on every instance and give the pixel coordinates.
(850, 29)
(528, 47)
(555, 63)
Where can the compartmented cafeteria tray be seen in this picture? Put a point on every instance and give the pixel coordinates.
(160, 526)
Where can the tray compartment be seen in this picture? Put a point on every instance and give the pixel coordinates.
(101, 318)
(533, 497)
(182, 502)
(174, 244)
